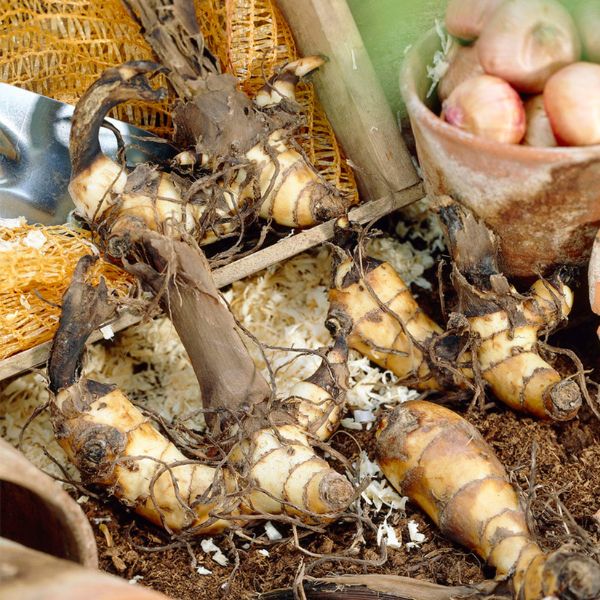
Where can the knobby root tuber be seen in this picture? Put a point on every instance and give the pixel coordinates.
(388, 325)
(114, 445)
(504, 325)
(245, 162)
(441, 462)
(273, 469)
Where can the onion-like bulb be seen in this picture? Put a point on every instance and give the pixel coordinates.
(526, 41)
(463, 64)
(572, 101)
(587, 19)
(539, 131)
(465, 19)
(488, 107)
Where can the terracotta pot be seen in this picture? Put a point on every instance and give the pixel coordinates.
(544, 203)
(26, 574)
(36, 512)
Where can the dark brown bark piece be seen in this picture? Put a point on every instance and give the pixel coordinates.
(384, 587)
(84, 308)
(170, 27)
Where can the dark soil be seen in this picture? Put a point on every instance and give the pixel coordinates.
(555, 466)
(566, 479)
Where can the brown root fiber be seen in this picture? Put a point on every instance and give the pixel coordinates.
(268, 465)
(443, 464)
(504, 326)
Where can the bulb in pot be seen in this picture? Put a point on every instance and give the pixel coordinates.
(465, 19)
(526, 41)
(572, 101)
(539, 131)
(463, 64)
(488, 107)
(587, 19)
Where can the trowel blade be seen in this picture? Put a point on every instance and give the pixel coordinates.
(34, 154)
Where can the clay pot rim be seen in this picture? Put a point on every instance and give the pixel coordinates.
(417, 109)
(15, 468)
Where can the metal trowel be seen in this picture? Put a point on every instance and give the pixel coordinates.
(34, 154)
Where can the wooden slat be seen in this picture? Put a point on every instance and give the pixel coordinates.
(38, 355)
(286, 248)
(351, 94)
(304, 240)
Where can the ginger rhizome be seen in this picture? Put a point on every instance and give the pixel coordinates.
(145, 217)
(504, 326)
(493, 334)
(270, 467)
(441, 462)
(237, 158)
(388, 325)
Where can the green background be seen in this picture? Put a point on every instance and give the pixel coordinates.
(387, 28)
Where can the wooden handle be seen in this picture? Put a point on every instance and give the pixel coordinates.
(352, 95)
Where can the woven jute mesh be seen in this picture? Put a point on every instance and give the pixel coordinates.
(59, 48)
(37, 264)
